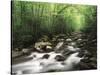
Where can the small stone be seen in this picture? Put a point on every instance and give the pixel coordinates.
(85, 60)
(68, 40)
(46, 56)
(25, 50)
(93, 59)
(59, 45)
(73, 44)
(59, 58)
(48, 47)
(77, 49)
(71, 48)
(79, 40)
(83, 66)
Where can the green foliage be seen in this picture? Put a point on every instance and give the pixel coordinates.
(31, 20)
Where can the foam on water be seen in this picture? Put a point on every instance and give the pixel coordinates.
(43, 65)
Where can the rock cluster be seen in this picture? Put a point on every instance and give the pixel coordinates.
(66, 45)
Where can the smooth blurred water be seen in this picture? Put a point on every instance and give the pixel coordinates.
(38, 65)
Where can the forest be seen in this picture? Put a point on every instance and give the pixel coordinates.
(37, 26)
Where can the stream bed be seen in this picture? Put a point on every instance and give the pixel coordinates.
(67, 54)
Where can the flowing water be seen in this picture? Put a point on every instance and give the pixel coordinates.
(40, 65)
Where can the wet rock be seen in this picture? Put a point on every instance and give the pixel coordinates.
(42, 46)
(93, 59)
(16, 49)
(93, 65)
(83, 66)
(35, 50)
(81, 54)
(72, 43)
(79, 39)
(63, 63)
(25, 50)
(81, 45)
(16, 54)
(68, 40)
(87, 66)
(46, 56)
(85, 60)
(67, 53)
(44, 38)
(60, 36)
(48, 47)
(39, 50)
(89, 54)
(59, 58)
(71, 48)
(77, 49)
(60, 40)
(51, 71)
(54, 39)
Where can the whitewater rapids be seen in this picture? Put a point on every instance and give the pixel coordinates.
(40, 65)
